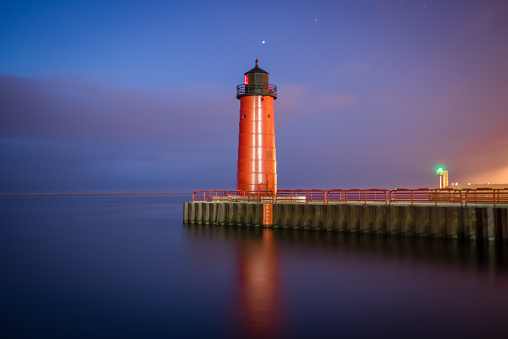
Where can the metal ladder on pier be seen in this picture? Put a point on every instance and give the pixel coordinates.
(267, 214)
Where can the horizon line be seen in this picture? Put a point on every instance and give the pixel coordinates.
(96, 193)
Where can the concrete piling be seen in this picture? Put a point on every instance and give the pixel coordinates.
(500, 223)
(478, 223)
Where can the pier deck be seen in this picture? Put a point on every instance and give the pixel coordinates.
(480, 222)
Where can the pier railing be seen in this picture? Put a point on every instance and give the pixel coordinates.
(382, 196)
(412, 195)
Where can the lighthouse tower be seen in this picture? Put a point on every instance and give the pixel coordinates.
(257, 167)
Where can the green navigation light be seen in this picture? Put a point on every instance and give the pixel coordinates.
(440, 170)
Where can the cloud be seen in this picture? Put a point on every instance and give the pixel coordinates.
(78, 135)
(37, 108)
(75, 135)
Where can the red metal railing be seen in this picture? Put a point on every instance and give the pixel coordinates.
(412, 196)
(336, 195)
(210, 196)
(446, 195)
(486, 195)
(373, 194)
(247, 196)
(312, 195)
(286, 196)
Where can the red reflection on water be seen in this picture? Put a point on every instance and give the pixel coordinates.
(259, 289)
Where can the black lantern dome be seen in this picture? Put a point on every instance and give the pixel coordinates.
(256, 83)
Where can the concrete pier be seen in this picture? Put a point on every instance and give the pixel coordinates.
(451, 221)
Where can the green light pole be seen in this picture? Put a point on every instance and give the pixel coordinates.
(440, 173)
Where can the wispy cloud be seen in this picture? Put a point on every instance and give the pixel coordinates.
(73, 110)
(55, 134)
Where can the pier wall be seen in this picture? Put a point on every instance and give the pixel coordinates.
(469, 223)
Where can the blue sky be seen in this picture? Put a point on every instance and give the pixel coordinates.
(138, 96)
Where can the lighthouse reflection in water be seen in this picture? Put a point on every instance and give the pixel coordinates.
(277, 283)
(258, 274)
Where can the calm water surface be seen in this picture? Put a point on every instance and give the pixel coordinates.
(126, 266)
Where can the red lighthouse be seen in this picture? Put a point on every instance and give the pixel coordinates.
(257, 167)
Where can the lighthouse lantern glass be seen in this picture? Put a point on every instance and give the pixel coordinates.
(246, 81)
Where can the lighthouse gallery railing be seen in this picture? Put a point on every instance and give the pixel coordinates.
(256, 90)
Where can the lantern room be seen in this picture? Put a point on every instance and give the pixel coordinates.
(256, 82)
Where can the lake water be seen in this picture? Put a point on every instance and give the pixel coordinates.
(126, 266)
